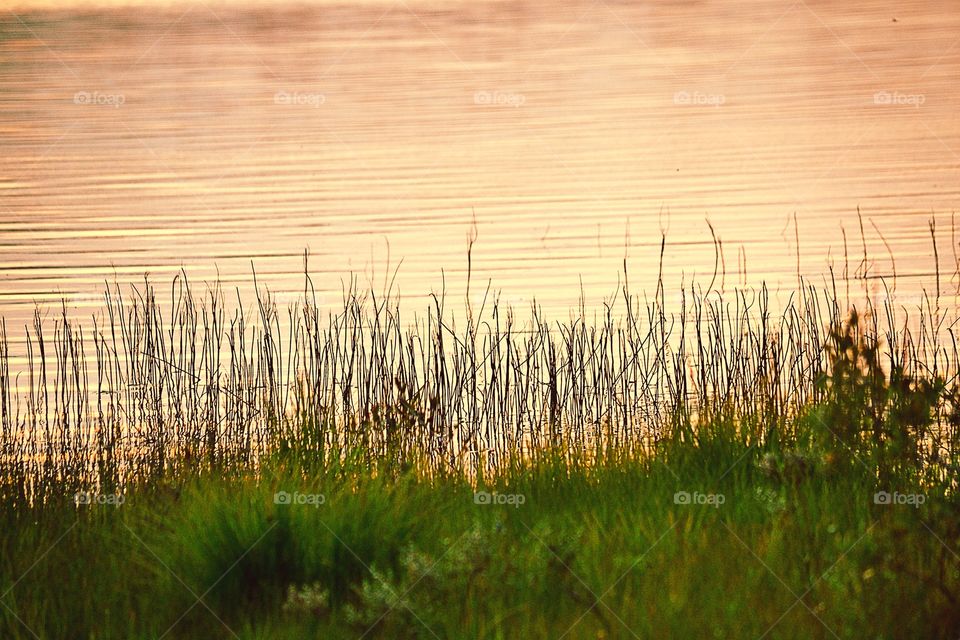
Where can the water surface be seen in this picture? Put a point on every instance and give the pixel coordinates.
(564, 137)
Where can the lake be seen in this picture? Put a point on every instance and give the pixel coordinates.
(562, 137)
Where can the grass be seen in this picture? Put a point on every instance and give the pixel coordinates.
(607, 549)
(719, 471)
(146, 387)
(711, 533)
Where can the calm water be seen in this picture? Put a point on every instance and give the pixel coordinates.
(565, 135)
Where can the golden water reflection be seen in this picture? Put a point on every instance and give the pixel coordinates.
(567, 136)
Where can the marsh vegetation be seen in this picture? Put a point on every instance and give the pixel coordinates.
(730, 467)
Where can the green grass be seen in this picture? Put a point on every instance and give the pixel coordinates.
(601, 550)
(741, 502)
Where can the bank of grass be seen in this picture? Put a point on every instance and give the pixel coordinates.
(773, 542)
(800, 486)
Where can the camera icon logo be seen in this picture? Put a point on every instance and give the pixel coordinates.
(282, 497)
(882, 497)
(681, 497)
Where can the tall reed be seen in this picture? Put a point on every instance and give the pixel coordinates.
(152, 385)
